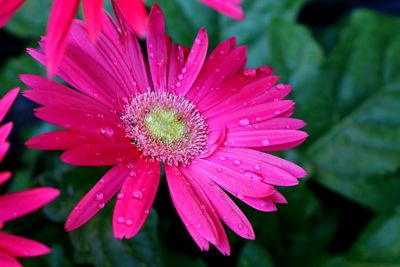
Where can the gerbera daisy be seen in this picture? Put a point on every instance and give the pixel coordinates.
(15, 205)
(207, 121)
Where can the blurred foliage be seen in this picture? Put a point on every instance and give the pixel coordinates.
(346, 213)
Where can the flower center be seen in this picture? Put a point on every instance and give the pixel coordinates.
(165, 127)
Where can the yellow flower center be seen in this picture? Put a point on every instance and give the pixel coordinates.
(165, 125)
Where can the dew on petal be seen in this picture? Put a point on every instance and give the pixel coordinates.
(99, 196)
(137, 194)
(107, 131)
(244, 122)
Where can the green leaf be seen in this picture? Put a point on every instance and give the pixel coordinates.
(9, 73)
(359, 153)
(254, 255)
(380, 242)
(30, 20)
(95, 243)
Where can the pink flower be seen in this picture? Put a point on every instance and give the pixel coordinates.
(7, 9)
(206, 120)
(15, 205)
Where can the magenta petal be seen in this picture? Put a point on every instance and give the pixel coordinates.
(7, 260)
(3, 150)
(136, 198)
(5, 131)
(92, 10)
(225, 207)
(4, 177)
(21, 247)
(64, 139)
(135, 14)
(157, 49)
(194, 63)
(61, 17)
(101, 154)
(190, 204)
(231, 8)
(233, 180)
(17, 204)
(97, 197)
(6, 101)
(7, 9)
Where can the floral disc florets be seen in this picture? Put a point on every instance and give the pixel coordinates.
(165, 127)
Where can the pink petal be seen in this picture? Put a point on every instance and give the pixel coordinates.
(17, 204)
(157, 49)
(233, 180)
(64, 139)
(97, 197)
(248, 114)
(193, 64)
(5, 130)
(92, 10)
(219, 72)
(265, 138)
(262, 204)
(190, 204)
(177, 61)
(4, 176)
(6, 101)
(101, 154)
(231, 8)
(21, 247)
(3, 150)
(136, 198)
(7, 9)
(135, 14)
(8, 261)
(254, 167)
(239, 93)
(237, 86)
(250, 154)
(138, 64)
(216, 56)
(61, 17)
(225, 207)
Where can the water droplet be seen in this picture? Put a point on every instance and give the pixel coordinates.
(244, 122)
(237, 162)
(151, 46)
(120, 219)
(107, 131)
(151, 55)
(222, 158)
(180, 77)
(250, 73)
(280, 87)
(101, 205)
(265, 142)
(258, 119)
(240, 196)
(132, 174)
(178, 84)
(198, 41)
(219, 170)
(184, 70)
(137, 194)
(240, 226)
(198, 226)
(276, 112)
(129, 166)
(257, 167)
(120, 196)
(129, 222)
(99, 196)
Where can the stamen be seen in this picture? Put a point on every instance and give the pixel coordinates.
(165, 127)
